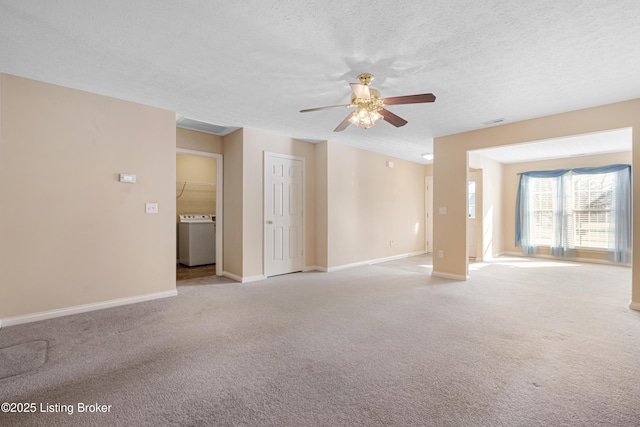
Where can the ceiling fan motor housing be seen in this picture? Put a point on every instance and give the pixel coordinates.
(365, 78)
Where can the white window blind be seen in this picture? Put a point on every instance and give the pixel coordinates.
(593, 197)
(590, 198)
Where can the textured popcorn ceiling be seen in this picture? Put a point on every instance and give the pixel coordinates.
(256, 63)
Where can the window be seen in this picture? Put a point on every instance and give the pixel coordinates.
(592, 195)
(471, 214)
(580, 208)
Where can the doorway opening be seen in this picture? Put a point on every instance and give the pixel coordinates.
(198, 214)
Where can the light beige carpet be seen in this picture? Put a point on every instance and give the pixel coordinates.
(522, 343)
(20, 358)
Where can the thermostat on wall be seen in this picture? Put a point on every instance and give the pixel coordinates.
(128, 178)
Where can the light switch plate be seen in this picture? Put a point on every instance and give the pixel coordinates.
(442, 210)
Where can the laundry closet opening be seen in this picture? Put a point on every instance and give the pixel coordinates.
(196, 215)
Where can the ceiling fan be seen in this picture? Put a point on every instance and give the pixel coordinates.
(370, 106)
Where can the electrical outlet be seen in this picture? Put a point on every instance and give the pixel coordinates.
(151, 208)
(440, 253)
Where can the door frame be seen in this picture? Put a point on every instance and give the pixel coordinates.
(472, 235)
(219, 202)
(264, 206)
(428, 210)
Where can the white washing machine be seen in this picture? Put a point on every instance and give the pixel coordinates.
(197, 239)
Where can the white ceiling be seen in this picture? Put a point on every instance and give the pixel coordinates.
(256, 63)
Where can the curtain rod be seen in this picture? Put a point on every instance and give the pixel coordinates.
(587, 167)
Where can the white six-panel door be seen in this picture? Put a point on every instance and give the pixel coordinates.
(283, 199)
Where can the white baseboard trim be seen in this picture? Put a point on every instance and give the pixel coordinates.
(314, 268)
(253, 278)
(634, 306)
(231, 276)
(374, 261)
(559, 258)
(243, 279)
(449, 275)
(44, 315)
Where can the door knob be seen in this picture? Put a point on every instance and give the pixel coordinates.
(269, 222)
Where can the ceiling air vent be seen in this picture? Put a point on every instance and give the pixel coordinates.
(196, 125)
(492, 122)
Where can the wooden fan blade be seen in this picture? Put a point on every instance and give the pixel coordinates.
(343, 125)
(360, 91)
(397, 121)
(410, 99)
(323, 108)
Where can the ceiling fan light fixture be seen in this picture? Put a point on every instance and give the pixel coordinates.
(364, 117)
(376, 116)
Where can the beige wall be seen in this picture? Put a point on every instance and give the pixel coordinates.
(449, 229)
(71, 233)
(195, 185)
(322, 206)
(198, 141)
(374, 211)
(511, 188)
(450, 167)
(232, 203)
